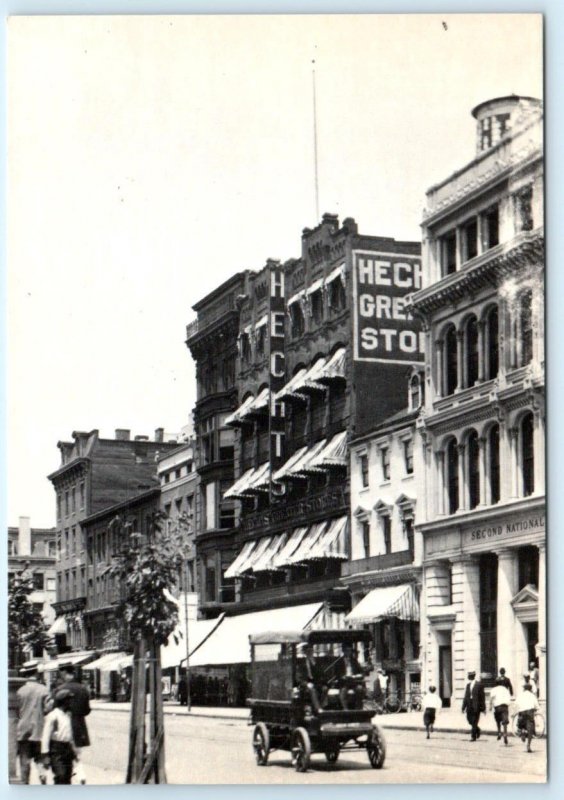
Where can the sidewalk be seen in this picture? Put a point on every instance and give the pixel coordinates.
(449, 720)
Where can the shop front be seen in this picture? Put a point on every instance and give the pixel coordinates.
(484, 597)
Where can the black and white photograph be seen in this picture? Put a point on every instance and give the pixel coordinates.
(276, 399)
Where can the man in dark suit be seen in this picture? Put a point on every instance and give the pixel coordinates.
(474, 704)
(79, 709)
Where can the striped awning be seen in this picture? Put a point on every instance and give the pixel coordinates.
(237, 417)
(262, 321)
(334, 454)
(260, 403)
(240, 486)
(302, 554)
(387, 601)
(289, 390)
(338, 272)
(233, 570)
(310, 381)
(315, 286)
(301, 468)
(294, 541)
(109, 662)
(296, 297)
(286, 469)
(335, 367)
(264, 562)
(59, 626)
(260, 480)
(332, 543)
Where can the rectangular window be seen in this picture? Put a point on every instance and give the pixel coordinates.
(226, 444)
(67, 544)
(207, 441)
(38, 579)
(178, 506)
(73, 540)
(59, 506)
(73, 499)
(524, 210)
(316, 300)
(385, 461)
(387, 531)
(408, 528)
(81, 495)
(51, 584)
(12, 547)
(408, 456)
(365, 526)
(364, 469)
(66, 503)
(260, 340)
(52, 549)
(211, 495)
(447, 245)
(490, 228)
(470, 239)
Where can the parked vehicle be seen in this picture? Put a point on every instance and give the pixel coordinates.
(308, 695)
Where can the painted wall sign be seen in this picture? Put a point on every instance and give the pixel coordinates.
(383, 329)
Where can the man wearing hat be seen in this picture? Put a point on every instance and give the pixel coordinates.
(57, 747)
(79, 709)
(474, 704)
(30, 708)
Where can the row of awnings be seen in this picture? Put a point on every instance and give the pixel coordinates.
(272, 553)
(387, 601)
(313, 379)
(323, 455)
(338, 272)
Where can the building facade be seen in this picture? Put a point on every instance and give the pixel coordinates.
(384, 574)
(34, 550)
(482, 518)
(95, 474)
(179, 485)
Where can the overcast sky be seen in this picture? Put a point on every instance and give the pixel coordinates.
(152, 157)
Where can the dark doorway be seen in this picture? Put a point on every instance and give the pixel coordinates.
(445, 674)
(488, 617)
(532, 633)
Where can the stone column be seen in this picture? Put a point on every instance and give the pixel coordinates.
(485, 489)
(460, 360)
(440, 483)
(481, 351)
(462, 482)
(504, 461)
(513, 466)
(539, 445)
(542, 621)
(439, 374)
(507, 566)
(466, 634)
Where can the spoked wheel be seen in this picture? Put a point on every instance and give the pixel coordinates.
(332, 754)
(376, 748)
(393, 704)
(261, 743)
(301, 749)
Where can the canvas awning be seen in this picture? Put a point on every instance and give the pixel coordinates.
(242, 557)
(260, 480)
(174, 653)
(315, 286)
(240, 486)
(334, 454)
(296, 297)
(387, 601)
(289, 390)
(301, 554)
(286, 469)
(76, 659)
(309, 381)
(58, 627)
(237, 417)
(109, 662)
(229, 642)
(262, 321)
(302, 467)
(338, 272)
(335, 367)
(332, 543)
(264, 562)
(296, 537)
(259, 404)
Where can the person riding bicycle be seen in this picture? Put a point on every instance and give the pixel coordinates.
(527, 704)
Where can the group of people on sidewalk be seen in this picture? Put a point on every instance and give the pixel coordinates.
(51, 729)
(474, 704)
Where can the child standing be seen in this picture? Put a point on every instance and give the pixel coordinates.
(431, 702)
(57, 748)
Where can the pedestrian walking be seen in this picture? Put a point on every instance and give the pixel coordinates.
(380, 687)
(431, 704)
(79, 708)
(526, 703)
(499, 702)
(474, 704)
(505, 681)
(30, 700)
(57, 747)
(534, 670)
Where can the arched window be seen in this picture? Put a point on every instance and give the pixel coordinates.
(450, 361)
(472, 351)
(526, 328)
(493, 459)
(297, 321)
(452, 475)
(473, 448)
(414, 392)
(527, 454)
(492, 343)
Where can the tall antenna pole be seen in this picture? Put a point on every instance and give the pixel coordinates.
(315, 144)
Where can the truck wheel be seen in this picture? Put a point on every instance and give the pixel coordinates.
(301, 749)
(376, 748)
(261, 743)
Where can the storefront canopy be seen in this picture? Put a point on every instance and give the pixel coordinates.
(109, 662)
(333, 454)
(298, 467)
(253, 480)
(310, 381)
(265, 561)
(332, 543)
(387, 601)
(76, 659)
(282, 559)
(237, 417)
(59, 626)
(229, 642)
(233, 570)
(173, 654)
(286, 470)
(290, 390)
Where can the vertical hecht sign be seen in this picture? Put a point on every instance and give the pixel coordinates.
(276, 325)
(383, 329)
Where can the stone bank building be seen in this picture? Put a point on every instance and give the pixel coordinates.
(482, 515)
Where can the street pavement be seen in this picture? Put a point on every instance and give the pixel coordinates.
(208, 750)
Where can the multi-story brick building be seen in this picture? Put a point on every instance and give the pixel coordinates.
(34, 550)
(482, 516)
(95, 474)
(384, 574)
(313, 338)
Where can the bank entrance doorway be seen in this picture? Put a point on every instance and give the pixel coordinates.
(532, 635)
(445, 674)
